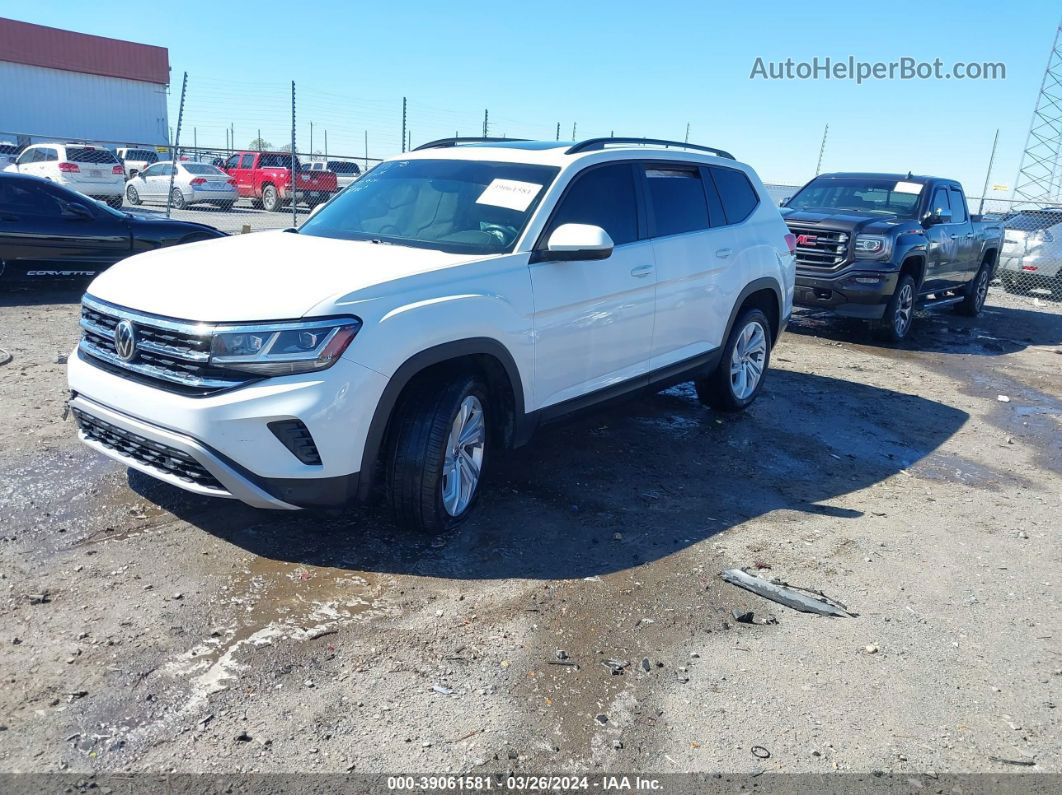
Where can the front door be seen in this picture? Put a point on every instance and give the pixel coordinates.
(943, 247)
(593, 320)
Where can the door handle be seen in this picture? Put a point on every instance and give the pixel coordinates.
(641, 271)
(954, 237)
(723, 253)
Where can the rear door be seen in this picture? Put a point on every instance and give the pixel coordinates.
(968, 248)
(42, 237)
(593, 319)
(692, 245)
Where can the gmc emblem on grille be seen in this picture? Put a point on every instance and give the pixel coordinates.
(807, 240)
(125, 340)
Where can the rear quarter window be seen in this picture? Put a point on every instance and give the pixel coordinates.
(736, 193)
(676, 194)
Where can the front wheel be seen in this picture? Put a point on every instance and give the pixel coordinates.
(437, 454)
(899, 312)
(974, 299)
(738, 379)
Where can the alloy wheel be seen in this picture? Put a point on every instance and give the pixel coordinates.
(463, 462)
(747, 359)
(982, 290)
(904, 310)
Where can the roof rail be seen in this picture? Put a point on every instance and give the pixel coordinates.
(443, 143)
(592, 144)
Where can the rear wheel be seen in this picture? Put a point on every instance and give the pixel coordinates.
(437, 454)
(899, 313)
(132, 195)
(177, 199)
(271, 199)
(976, 292)
(738, 379)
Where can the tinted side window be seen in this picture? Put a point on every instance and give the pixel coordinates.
(48, 154)
(676, 194)
(736, 192)
(958, 207)
(604, 197)
(27, 200)
(247, 162)
(940, 200)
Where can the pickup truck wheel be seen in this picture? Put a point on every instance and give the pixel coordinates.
(271, 199)
(132, 195)
(899, 313)
(437, 454)
(976, 293)
(739, 377)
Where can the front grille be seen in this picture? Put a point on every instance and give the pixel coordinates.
(820, 249)
(156, 455)
(170, 354)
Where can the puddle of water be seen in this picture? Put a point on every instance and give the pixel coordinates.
(274, 600)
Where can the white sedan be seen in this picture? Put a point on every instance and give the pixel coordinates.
(193, 183)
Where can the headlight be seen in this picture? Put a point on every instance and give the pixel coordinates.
(282, 348)
(871, 244)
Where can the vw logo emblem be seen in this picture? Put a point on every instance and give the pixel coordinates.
(125, 341)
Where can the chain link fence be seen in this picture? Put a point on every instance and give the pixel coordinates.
(228, 163)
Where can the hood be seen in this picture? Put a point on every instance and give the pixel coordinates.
(260, 276)
(845, 221)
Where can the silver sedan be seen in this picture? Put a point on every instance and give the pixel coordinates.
(193, 183)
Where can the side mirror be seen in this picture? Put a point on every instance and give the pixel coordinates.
(80, 212)
(578, 242)
(939, 216)
(785, 202)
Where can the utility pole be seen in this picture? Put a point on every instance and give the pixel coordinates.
(687, 138)
(403, 124)
(822, 150)
(311, 140)
(291, 164)
(326, 148)
(366, 150)
(558, 131)
(988, 174)
(174, 155)
(486, 122)
(258, 141)
(573, 130)
(409, 141)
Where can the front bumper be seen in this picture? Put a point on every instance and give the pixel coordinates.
(227, 433)
(856, 292)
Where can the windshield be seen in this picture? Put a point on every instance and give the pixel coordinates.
(873, 196)
(458, 206)
(143, 155)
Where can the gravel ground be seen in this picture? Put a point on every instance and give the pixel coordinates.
(144, 629)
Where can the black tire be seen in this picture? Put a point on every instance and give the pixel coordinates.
(271, 200)
(115, 202)
(256, 204)
(418, 444)
(899, 312)
(718, 390)
(976, 292)
(177, 199)
(132, 195)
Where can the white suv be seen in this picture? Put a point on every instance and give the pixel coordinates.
(430, 317)
(90, 170)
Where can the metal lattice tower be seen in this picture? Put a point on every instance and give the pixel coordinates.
(1038, 175)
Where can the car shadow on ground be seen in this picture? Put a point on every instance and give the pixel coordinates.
(996, 331)
(623, 487)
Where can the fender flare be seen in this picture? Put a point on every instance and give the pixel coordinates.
(755, 286)
(412, 367)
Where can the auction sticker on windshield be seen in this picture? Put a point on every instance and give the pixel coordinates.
(907, 187)
(510, 194)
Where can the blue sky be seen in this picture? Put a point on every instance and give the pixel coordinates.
(635, 68)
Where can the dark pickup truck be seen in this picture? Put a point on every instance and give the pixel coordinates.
(877, 246)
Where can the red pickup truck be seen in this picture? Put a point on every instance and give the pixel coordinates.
(265, 179)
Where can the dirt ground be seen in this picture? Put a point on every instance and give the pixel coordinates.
(145, 629)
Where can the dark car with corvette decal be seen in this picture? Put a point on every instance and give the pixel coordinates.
(878, 246)
(50, 232)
